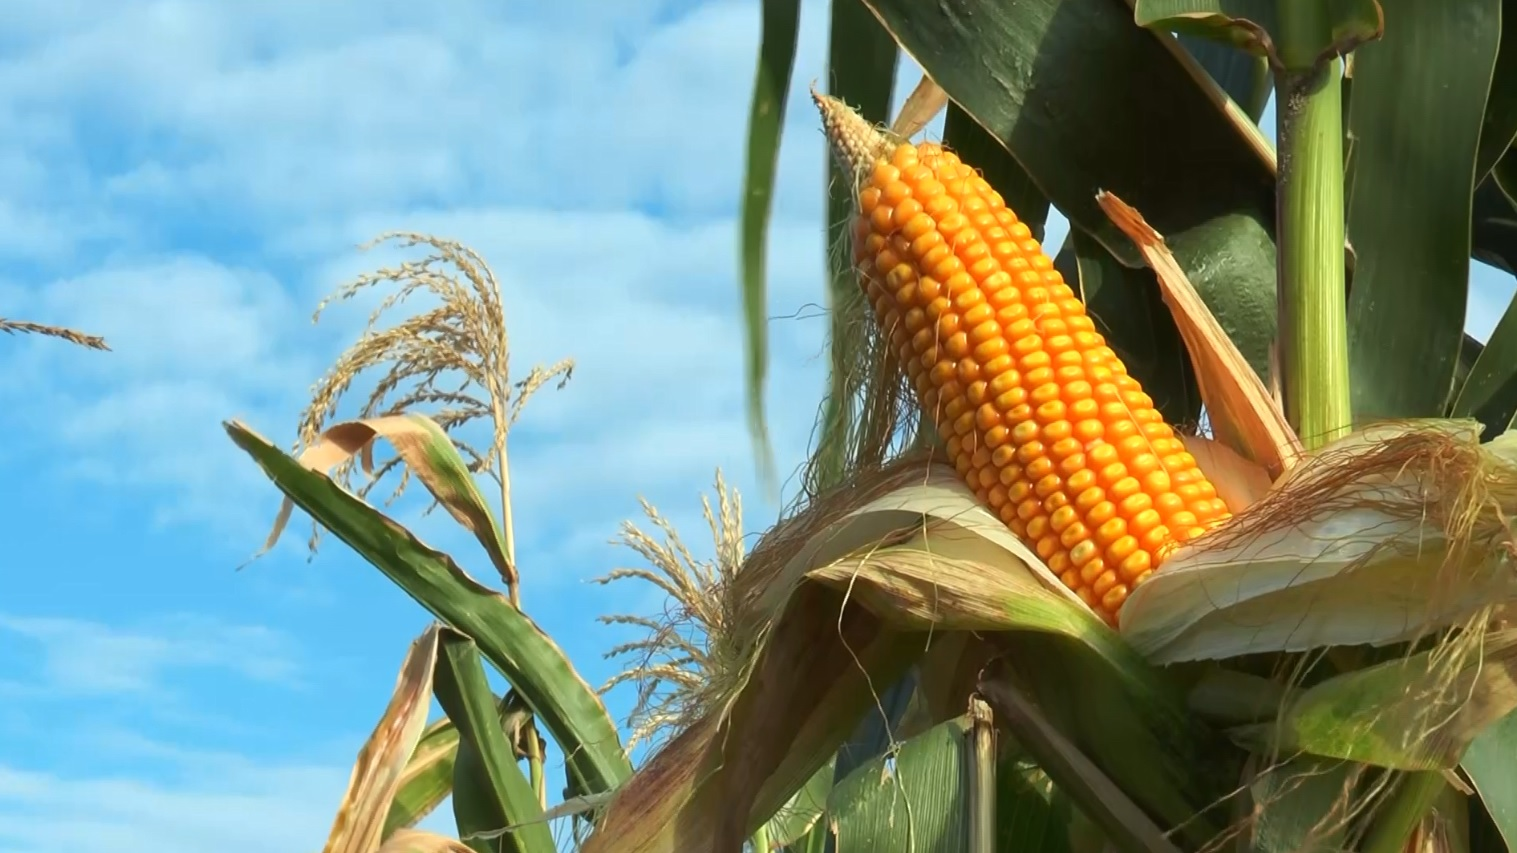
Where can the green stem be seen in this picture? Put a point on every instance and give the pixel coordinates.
(1414, 797)
(507, 522)
(760, 840)
(1313, 339)
(535, 766)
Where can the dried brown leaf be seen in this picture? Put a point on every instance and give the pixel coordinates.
(921, 107)
(425, 449)
(420, 841)
(1241, 411)
(382, 761)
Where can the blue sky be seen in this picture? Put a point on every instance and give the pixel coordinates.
(188, 179)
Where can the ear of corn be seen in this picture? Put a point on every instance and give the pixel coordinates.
(1039, 415)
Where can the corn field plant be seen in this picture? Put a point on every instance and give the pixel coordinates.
(1312, 301)
(1024, 602)
(432, 374)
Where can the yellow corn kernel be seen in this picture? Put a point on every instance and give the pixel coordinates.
(1040, 417)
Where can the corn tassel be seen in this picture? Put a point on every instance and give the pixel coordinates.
(1038, 414)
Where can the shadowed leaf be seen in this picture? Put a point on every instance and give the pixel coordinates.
(1242, 75)
(490, 792)
(1073, 772)
(1499, 128)
(1254, 25)
(1249, 25)
(1489, 391)
(1408, 207)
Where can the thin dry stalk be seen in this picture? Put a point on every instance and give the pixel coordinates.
(22, 327)
(692, 655)
(453, 359)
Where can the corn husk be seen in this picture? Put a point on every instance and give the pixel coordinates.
(1380, 537)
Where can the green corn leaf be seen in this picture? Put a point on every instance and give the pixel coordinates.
(530, 661)
(1488, 763)
(1409, 210)
(802, 813)
(1416, 714)
(913, 801)
(1253, 25)
(771, 84)
(1499, 129)
(490, 792)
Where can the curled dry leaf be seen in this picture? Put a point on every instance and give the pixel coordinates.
(427, 779)
(1243, 414)
(429, 454)
(419, 841)
(921, 107)
(359, 826)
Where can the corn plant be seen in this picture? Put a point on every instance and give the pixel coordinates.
(434, 373)
(914, 657)
(1324, 665)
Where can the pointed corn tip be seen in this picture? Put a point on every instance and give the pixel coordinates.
(855, 142)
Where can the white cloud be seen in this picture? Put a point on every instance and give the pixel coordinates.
(272, 110)
(311, 132)
(209, 802)
(78, 657)
(193, 342)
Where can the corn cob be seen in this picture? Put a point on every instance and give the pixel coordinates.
(1038, 414)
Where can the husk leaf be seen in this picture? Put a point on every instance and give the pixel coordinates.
(1242, 413)
(1379, 537)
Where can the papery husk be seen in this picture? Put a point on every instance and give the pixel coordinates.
(745, 755)
(1243, 414)
(852, 591)
(1389, 533)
